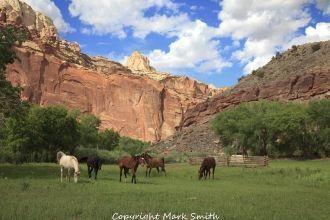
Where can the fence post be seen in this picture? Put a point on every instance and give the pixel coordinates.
(266, 161)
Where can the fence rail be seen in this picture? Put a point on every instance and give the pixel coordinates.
(234, 160)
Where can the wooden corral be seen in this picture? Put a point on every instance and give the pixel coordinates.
(234, 160)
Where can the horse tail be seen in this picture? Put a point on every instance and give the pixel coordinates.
(82, 159)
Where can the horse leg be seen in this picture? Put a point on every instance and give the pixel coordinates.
(163, 169)
(61, 174)
(95, 171)
(157, 169)
(68, 174)
(209, 173)
(205, 174)
(120, 173)
(149, 171)
(89, 171)
(213, 171)
(125, 173)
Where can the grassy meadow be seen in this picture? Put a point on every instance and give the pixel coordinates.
(285, 190)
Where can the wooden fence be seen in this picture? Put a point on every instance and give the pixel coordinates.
(234, 160)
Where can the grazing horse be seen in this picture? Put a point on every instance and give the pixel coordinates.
(68, 162)
(206, 166)
(126, 163)
(154, 163)
(93, 163)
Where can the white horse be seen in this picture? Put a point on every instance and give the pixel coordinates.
(68, 162)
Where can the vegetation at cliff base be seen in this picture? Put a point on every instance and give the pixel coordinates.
(276, 129)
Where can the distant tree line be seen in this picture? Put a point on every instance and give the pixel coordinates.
(276, 129)
(34, 134)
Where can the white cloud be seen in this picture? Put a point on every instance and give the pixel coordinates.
(194, 48)
(264, 25)
(323, 5)
(48, 8)
(115, 16)
(321, 32)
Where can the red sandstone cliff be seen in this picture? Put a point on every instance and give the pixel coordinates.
(142, 104)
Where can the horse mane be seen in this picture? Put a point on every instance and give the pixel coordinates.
(146, 155)
(59, 155)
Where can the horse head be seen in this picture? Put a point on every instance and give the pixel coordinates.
(200, 173)
(140, 159)
(59, 155)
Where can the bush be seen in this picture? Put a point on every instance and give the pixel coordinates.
(132, 146)
(106, 156)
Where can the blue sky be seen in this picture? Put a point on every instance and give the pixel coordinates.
(213, 41)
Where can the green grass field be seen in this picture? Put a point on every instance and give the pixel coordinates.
(285, 190)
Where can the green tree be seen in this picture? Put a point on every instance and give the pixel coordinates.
(319, 113)
(10, 102)
(266, 127)
(108, 139)
(47, 129)
(132, 146)
(88, 129)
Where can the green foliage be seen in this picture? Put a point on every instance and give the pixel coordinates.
(108, 139)
(275, 129)
(10, 103)
(88, 129)
(106, 156)
(43, 132)
(132, 146)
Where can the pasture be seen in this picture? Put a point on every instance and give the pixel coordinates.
(285, 190)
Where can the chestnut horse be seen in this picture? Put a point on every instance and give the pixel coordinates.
(207, 164)
(153, 162)
(127, 163)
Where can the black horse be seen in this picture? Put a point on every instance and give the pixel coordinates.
(93, 163)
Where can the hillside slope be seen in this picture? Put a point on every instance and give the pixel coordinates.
(302, 73)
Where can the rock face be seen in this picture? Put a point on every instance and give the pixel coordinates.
(138, 62)
(300, 74)
(139, 103)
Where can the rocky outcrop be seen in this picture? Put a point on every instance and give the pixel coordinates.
(300, 74)
(142, 104)
(138, 62)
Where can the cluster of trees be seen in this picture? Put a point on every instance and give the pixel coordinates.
(276, 129)
(33, 133)
(42, 131)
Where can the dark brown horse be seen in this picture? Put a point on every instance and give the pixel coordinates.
(207, 164)
(153, 162)
(127, 163)
(93, 163)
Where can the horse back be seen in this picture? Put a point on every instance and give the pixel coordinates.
(208, 163)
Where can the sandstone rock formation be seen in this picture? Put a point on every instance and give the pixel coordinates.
(138, 62)
(300, 74)
(139, 103)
